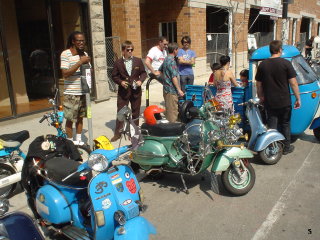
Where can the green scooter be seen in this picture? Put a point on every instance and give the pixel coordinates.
(190, 149)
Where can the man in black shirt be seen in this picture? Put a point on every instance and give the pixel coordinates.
(273, 78)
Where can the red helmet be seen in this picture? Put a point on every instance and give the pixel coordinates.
(152, 114)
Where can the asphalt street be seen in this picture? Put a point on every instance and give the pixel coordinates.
(283, 204)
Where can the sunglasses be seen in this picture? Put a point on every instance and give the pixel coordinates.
(129, 49)
(185, 42)
(80, 41)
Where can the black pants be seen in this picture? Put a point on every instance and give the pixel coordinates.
(280, 119)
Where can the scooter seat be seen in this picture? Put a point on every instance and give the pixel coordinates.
(14, 139)
(59, 168)
(163, 129)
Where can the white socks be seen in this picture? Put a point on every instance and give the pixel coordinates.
(78, 137)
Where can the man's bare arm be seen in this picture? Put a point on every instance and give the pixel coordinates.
(177, 85)
(68, 72)
(295, 88)
(260, 91)
(149, 66)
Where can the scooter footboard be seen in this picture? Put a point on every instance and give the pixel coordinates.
(225, 158)
(137, 228)
(315, 123)
(267, 138)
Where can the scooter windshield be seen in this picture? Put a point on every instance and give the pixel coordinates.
(305, 73)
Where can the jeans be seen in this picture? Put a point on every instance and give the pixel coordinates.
(186, 80)
(280, 119)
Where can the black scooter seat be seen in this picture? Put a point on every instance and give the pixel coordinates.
(14, 139)
(59, 168)
(163, 129)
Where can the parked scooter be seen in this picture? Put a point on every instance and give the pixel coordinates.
(190, 149)
(99, 199)
(264, 141)
(11, 161)
(55, 119)
(17, 225)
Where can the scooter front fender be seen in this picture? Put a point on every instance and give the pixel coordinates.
(267, 138)
(137, 228)
(226, 157)
(315, 123)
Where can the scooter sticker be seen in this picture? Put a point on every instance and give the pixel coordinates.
(126, 202)
(41, 207)
(106, 203)
(118, 180)
(115, 176)
(131, 185)
(127, 175)
(100, 186)
(103, 196)
(119, 187)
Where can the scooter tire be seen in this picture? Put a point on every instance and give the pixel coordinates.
(274, 158)
(234, 187)
(5, 171)
(316, 133)
(84, 151)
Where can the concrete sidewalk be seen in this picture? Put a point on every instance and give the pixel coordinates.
(103, 117)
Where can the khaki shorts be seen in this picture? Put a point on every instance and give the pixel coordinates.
(74, 107)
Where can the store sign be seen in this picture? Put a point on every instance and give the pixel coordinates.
(271, 8)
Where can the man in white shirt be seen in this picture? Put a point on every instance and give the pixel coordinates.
(155, 57)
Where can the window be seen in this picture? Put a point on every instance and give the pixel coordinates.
(168, 30)
(305, 74)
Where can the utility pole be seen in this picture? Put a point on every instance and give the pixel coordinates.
(285, 25)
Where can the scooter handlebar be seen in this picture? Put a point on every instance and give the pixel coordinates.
(43, 118)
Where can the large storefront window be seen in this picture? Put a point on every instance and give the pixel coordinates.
(5, 104)
(35, 33)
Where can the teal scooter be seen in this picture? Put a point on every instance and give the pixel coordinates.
(190, 149)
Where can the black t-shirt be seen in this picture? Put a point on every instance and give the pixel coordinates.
(274, 74)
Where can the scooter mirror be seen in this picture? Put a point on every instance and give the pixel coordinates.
(125, 111)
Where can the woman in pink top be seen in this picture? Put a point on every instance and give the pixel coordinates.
(223, 79)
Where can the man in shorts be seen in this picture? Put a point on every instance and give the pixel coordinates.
(155, 58)
(74, 102)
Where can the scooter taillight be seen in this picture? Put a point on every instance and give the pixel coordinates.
(56, 125)
(82, 178)
(38, 162)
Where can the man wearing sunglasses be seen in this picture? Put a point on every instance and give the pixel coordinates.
(129, 73)
(155, 58)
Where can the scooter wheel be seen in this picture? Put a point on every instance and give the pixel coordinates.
(272, 153)
(236, 185)
(6, 171)
(316, 133)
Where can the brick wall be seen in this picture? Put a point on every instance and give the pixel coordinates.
(125, 17)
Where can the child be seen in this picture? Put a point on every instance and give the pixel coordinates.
(244, 75)
(214, 68)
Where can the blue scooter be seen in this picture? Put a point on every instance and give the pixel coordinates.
(17, 225)
(99, 199)
(11, 161)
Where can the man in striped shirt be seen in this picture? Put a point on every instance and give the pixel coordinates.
(74, 98)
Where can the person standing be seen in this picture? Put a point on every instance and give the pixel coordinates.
(224, 78)
(74, 102)
(155, 58)
(273, 78)
(186, 59)
(129, 73)
(171, 86)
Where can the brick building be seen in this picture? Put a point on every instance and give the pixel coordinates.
(216, 27)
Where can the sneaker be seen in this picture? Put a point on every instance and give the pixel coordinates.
(288, 150)
(115, 138)
(78, 142)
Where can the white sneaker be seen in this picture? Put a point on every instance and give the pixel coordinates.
(78, 142)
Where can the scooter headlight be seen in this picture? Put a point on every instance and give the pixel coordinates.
(120, 218)
(98, 162)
